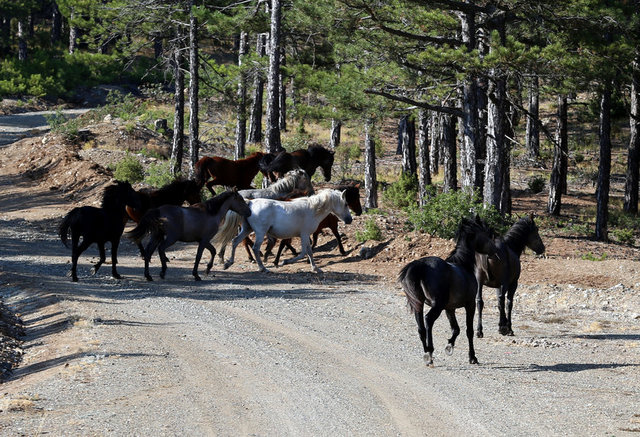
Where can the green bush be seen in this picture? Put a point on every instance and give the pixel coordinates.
(371, 232)
(403, 193)
(129, 170)
(68, 127)
(536, 184)
(159, 174)
(441, 215)
(624, 236)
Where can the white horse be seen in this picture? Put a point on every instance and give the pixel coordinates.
(296, 218)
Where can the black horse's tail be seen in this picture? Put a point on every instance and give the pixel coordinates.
(410, 277)
(151, 223)
(67, 225)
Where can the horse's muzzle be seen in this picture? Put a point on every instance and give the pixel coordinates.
(348, 219)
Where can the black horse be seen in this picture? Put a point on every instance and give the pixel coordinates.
(447, 285)
(502, 270)
(99, 225)
(308, 160)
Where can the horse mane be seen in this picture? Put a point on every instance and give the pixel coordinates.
(254, 155)
(214, 204)
(322, 197)
(288, 182)
(113, 196)
(516, 237)
(463, 255)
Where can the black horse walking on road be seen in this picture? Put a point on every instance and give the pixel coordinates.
(448, 284)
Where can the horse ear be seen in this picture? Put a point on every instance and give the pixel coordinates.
(532, 216)
(357, 185)
(234, 189)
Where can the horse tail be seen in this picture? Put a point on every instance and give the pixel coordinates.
(410, 277)
(227, 230)
(67, 224)
(151, 223)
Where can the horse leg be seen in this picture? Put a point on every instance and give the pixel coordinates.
(194, 272)
(114, 258)
(256, 252)
(502, 326)
(247, 244)
(244, 231)
(455, 331)
(282, 245)
(162, 247)
(96, 266)
(430, 318)
(510, 293)
(422, 331)
(334, 229)
(471, 309)
(76, 250)
(271, 242)
(479, 307)
(212, 251)
(210, 185)
(306, 250)
(151, 246)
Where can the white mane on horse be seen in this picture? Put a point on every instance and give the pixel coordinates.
(318, 201)
(289, 181)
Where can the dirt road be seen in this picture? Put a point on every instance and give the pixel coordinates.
(16, 126)
(293, 353)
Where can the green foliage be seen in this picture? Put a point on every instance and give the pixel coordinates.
(403, 193)
(536, 184)
(159, 174)
(67, 127)
(441, 215)
(592, 257)
(129, 170)
(624, 236)
(371, 232)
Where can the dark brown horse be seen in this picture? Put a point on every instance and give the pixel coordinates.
(88, 225)
(174, 193)
(352, 196)
(448, 284)
(502, 270)
(227, 172)
(307, 159)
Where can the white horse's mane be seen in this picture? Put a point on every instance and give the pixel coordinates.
(288, 182)
(322, 197)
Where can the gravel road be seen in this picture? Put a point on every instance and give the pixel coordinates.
(291, 353)
(16, 126)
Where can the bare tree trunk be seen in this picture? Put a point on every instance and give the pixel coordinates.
(241, 111)
(559, 150)
(336, 130)
(177, 149)
(633, 161)
(283, 93)
(22, 41)
(56, 23)
(194, 124)
(533, 128)
(370, 177)
(604, 167)
(496, 148)
(469, 145)
(272, 134)
(408, 146)
(449, 151)
(424, 175)
(73, 33)
(434, 150)
(255, 124)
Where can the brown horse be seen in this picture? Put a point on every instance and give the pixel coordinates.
(174, 193)
(307, 159)
(352, 196)
(502, 270)
(227, 172)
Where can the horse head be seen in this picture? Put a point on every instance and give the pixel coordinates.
(192, 192)
(341, 208)
(480, 235)
(238, 204)
(534, 242)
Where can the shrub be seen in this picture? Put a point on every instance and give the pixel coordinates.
(159, 174)
(624, 236)
(536, 184)
(371, 232)
(442, 214)
(403, 193)
(67, 127)
(129, 170)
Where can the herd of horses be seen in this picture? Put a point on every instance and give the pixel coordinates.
(287, 208)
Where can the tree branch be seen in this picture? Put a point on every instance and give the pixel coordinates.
(444, 109)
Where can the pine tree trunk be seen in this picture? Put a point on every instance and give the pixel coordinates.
(494, 170)
(56, 23)
(255, 124)
(22, 40)
(272, 134)
(241, 110)
(424, 175)
(563, 140)
(633, 160)
(449, 151)
(533, 128)
(604, 167)
(481, 151)
(559, 149)
(283, 93)
(434, 149)
(336, 130)
(408, 146)
(177, 149)
(370, 177)
(194, 124)
(157, 46)
(73, 34)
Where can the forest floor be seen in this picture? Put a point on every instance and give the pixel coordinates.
(295, 352)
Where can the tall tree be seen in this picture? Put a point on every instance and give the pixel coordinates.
(194, 86)
(558, 178)
(424, 173)
(370, 176)
(272, 135)
(533, 131)
(633, 154)
(241, 111)
(177, 149)
(255, 124)
(604, 166)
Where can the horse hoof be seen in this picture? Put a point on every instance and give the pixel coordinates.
(227, 265)
(449, 349)
(117, 276)
(74, 279)
(428, 360)
(473, 360)
(503, 330)
(197, 278)
(510, 333)
(149, 278)
(162, 275)
(317, 270)
(479, 334)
